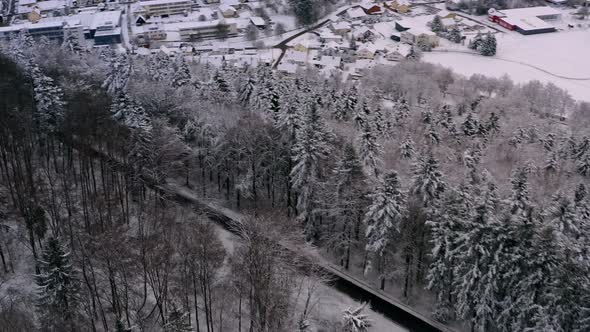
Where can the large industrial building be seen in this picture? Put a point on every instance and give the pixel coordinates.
(527, 21)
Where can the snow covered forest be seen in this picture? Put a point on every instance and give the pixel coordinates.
(467, 194)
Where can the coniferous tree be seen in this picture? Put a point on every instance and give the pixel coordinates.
(247, 90)
(428, 181)
(469, 125)
(436, 25)
(519, 200)
(455, 35)
(488, 45)
(407, 148)
(49, 100)
(401, 111)
(370, 151)
(118, 76)
(312, 146)
(182, 74)
(476, 273)
(58, 288)
(455, 208)
(385, 214)
(348, 204)
(72, 42)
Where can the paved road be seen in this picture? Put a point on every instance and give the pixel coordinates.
(328, 18)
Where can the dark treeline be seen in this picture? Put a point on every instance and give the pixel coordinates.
(473, 188)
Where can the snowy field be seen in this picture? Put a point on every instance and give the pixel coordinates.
(560, 58)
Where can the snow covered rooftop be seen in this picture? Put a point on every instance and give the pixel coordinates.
(27, 2)
(528, 23)
(342, 25)
(356, 13)
(258, 21)
(531, 12)
(160, 2)
(43, 6)
(295, 56)
(286, 67)
(106, 18)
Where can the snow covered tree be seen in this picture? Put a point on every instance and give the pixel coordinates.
(428, 181)
(178, 321)
(492, 124)
(436, 25)
(446, 227)
(470, 125)
(476, 271)
(306, 11)
(346, 204)
(519, 199)
(362, 115)
(401, 111)
(182, 74)
(247, 90)
(355, 320)
(130, 113)
(415, 53)
(118, 76)
(476, 42)
(72, 42)
(49, 100)
(58, 288)
(583, 165)
(159, 67)
(312, 146)
(455, 35)
(370, 151)
(488, 45)
(561, 214)
(386, 212)
(349, 104)
(407, 148)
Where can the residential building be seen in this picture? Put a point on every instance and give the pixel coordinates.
(258, 22)
(416, 36)
(165, 7)
(371, 8)
(400, 6)
(190, 31)
(227, 11)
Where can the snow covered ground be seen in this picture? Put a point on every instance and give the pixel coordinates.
(559, 57)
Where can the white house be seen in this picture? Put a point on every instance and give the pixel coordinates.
(341, 28)
(227, 11)
(355, 13)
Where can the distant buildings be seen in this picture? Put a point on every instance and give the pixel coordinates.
(103, 27)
